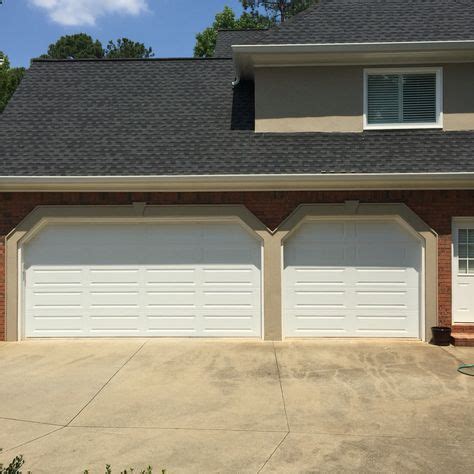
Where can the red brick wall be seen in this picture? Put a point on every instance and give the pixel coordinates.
(436, 208)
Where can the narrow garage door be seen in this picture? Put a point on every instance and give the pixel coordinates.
(352, 279)
(142, 280)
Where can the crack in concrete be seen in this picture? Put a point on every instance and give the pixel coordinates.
(174, 428)
(106, 383)
(281, 388)
(273, 452)
(453, 356)
(33, 440)
(31, 421)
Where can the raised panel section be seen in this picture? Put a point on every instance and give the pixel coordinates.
(143, 280)
(351, 278)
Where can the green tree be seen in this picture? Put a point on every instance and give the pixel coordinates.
(10, 78)
(277, 10)
(125, 48)
(82, 46)
(78, 46)
(206, 40)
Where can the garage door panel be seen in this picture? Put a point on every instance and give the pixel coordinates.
(58, 331)
(311, 232)
(229, 322)
(373, 255)
(166, 276)
(308, 277)
(390, 231)
(387, 299)
(46, 276)
(167, 323)
(389, 277)
(313, 254)
(319, 298)
(188, 255)
(168, 298)
(161, 280)
(307, 321)
(113, 297)
(398, 325)
(113, 322)
(231, 277)
(61, 298)
(112, 277)
(363, 282)
(218, 298)
(215, 255)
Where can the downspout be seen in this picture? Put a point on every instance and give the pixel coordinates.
(236, 82)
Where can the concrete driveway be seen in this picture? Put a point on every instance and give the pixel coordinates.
(235, 406)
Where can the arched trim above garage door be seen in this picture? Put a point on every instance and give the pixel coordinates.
(138, 212)
(356, 209)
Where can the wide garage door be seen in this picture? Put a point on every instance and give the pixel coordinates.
(351, 278)
(193, 279)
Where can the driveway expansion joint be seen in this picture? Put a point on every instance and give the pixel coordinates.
(281, 387)
(33, 440)
(106, 383)
(172, 428)
(32, 421)
(273, 452)
(453, 356)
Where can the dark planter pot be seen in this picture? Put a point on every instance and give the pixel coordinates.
(441, 336)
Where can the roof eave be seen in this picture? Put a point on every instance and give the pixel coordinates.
(209, 183)
(249, 57)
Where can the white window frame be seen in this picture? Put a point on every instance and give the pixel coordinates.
(459, 223)
(406, 70)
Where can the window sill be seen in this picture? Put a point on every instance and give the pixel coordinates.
(404, 126)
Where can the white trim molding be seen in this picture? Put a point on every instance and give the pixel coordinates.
(248, 57)
(234, 182)
(405, 70)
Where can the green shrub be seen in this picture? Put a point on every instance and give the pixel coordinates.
(14, 467)
(148, 470)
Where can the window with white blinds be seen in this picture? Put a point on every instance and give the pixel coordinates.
(403, 99)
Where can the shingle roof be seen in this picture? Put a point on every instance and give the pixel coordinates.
(227, 38)
(366, 21)
(172, 117)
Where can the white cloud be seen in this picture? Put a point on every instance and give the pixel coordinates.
(86, 12)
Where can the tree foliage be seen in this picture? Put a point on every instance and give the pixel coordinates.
(226, 19)
(125, 48)
(78, 46)
(10, 78)
(277, 10)
(83, 46)
(257, 14)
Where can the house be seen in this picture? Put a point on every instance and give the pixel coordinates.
(313, 180)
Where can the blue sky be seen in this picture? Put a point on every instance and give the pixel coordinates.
(27, 27)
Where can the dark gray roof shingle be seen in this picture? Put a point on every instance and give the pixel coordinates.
(227, 38)
(366, 21)
(172, 117)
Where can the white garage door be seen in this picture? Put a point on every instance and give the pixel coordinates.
(352, 279)
(142, 280)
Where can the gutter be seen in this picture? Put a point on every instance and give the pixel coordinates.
(216, 183)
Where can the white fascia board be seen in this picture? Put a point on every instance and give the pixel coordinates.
(207, 183)
(249, 57)
(355, 47)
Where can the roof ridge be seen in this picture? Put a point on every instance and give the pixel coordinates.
(244, 29)
(113, 60)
